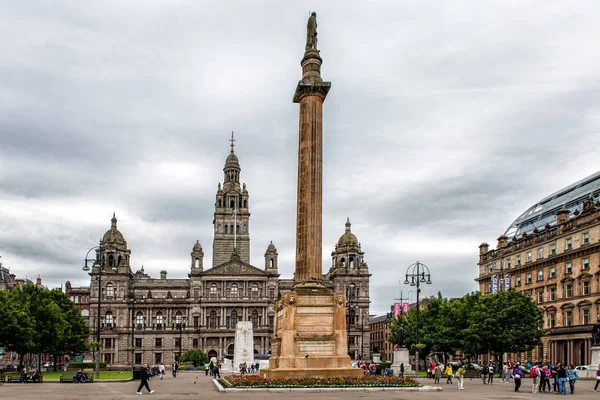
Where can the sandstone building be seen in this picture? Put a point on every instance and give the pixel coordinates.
(150, 320)
(552, 253)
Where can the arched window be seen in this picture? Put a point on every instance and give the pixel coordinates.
(160, 322)
(271, 263)
(351, 317)
(245, 203)
(220, 202)
(76, 299)
(254, 319)
(213, 291)
(212, 322)
(85, 313)
(351, 291)
(230, 228)
(343, 261)
(225, 228)
(108, 319)
(232, 203)
(110, 290)
(119, 261)
(197, 263)
(233, 319)
(111, 260)
(178, 318)
(234, 291)
(196, 293)
(351, 262)
(254, 292)
(237, 229)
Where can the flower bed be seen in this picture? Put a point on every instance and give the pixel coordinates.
(255, 381)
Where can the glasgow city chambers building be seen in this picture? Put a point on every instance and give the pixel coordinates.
(552, 253)
(152, 320)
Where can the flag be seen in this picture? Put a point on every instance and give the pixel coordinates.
(396, 309)
(233, 213)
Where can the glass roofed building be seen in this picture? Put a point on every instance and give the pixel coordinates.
(552, 253)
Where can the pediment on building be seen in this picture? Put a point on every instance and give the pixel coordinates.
(567, 305)
(550, 309)
(236, 268)
(584, 303)
(584, 275)
(567, 279)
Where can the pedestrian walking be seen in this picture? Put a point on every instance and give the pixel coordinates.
(505, 373)
(174, 369)
(437, 373)
(491, 373)
(448, 373)
(535, 374)
(518, 375)
(597, 378)
(484, 373)
(572, 378)
(144, 380)
(161, 370)
(460, 377)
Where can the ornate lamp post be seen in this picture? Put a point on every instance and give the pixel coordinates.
(100, 269)
(418, 273)
(132, 300)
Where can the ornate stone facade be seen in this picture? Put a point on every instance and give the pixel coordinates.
(145, 319)
(552, 253)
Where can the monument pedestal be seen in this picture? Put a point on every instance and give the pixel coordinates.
(310, 335)
(244, 344)
(595, 356)
(401, 357)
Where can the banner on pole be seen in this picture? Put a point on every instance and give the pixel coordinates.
(494, 285)
(507, 283)
(396, 309)
(405, 308)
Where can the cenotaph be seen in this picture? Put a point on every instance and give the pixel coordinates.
(596, 344)
(309, 337)
(244, 344)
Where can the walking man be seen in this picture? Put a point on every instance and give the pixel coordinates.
(175, 367)
(161, 370)
(144, 380)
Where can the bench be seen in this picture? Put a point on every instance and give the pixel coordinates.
(69, 377)
(11, 377)
(472, 373)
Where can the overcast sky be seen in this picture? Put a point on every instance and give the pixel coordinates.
(445, 121)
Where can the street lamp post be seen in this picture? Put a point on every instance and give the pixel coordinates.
(418, 273)
(349, 322)
(131, 299)
(100, 269)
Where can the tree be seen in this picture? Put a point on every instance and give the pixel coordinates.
(194, 356)
(37, 320)
(440, 326)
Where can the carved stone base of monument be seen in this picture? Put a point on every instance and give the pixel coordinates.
(244, 344)
(309, 338)
(595, 356)
(401, 357)
(376, 358)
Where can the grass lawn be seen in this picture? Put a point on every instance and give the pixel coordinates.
(104, 375)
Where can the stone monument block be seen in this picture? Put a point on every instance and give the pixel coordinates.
(244, 347)
(401, 357)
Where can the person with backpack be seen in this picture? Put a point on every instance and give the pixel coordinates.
(460, 377)
(448, 373)
(534, 373)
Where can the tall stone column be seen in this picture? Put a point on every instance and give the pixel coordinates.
(310, 94)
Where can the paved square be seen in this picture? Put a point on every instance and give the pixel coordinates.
(195, 385)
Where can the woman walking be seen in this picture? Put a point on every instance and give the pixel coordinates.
(518, 375)
(460, 375)
(438, 373)
(448, 373)
(572, 378)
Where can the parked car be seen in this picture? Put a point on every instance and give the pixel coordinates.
(583, 368)
(474, 366)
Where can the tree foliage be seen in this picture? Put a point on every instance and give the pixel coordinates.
(508, 321)
(37, 320)
(194, 356)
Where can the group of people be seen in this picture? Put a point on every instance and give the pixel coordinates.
(249, 369)
(548, 378)
(33, 376)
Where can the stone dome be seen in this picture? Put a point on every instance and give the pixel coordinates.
(197, 247)
(348, 238)
(113, 235)
(232, 161)
(271, 248)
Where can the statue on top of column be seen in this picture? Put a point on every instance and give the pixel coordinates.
(596, 333)
(311, 32)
